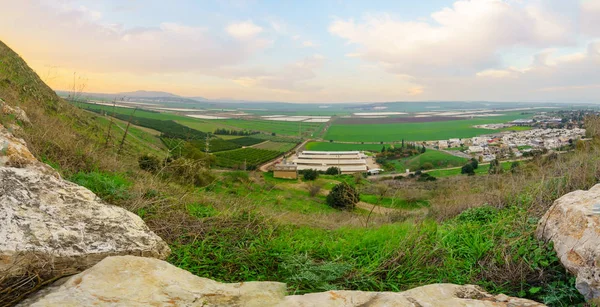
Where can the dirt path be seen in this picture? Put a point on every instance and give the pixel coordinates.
(376, 209)
(265, 167)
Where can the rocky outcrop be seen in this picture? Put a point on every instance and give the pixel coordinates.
(575, 231)
(17, 112)
(136, 281)
(52, 227)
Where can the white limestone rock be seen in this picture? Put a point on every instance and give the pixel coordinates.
(575, 232)
(135, 281)
(54, 227)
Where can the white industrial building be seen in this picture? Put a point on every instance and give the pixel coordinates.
(347, 161)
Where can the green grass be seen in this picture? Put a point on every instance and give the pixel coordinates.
(391, 257)
(438, 159)
(482, 169)
(415, 131)
(328, 146)
(108, 186)
(278, 146)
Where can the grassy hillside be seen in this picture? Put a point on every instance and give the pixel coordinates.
(242, 226)
(435, 158)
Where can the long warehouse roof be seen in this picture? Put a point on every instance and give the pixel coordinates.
(331, 157)
(342, 168)
(330, 162)
(313, 152)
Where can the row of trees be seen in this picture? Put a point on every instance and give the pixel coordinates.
(234, 132)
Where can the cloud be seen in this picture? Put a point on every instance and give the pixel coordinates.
(460, 40)
(590, 17)
(308, 44)
(292, 77)
(571, 78)
(243, 30)
(78, 39)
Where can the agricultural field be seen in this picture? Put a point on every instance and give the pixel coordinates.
(418, 131)
(277, 138)
(328, 146)
(267, 126)
(435, 158)
(215, 144)
(252, 157)
(277, 146)
(277, 127)
(246, 141)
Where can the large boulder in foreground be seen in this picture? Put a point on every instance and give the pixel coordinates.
(575, 232)
(135, 281)
(51, 227)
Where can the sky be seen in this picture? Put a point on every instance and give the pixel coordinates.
(314, 50)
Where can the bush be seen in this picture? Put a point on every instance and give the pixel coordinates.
(149, 163)
(190, 171)
(427, 165)
(343, 196)
(310, 174)
(468, 169)
(313, 189)
(333, 171)
(474, 163)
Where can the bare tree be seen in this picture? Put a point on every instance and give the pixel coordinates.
(110, 124)
(126, 131)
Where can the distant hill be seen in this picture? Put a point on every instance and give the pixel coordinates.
(147, 94)
(158, 97)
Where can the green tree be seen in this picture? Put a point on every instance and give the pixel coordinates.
(468, 169)
(310, 174)
(333, 170)
(343, 196)
(474, 163)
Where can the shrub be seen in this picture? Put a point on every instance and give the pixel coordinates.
(343, 196)
(310, 174)
(480, 215)
(149, 163)
(468, 169)
(333, 171)
(427, 165)
(190, 171)
(313, 189)
(474, 163)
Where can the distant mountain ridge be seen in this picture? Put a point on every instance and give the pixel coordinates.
(148, 94)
